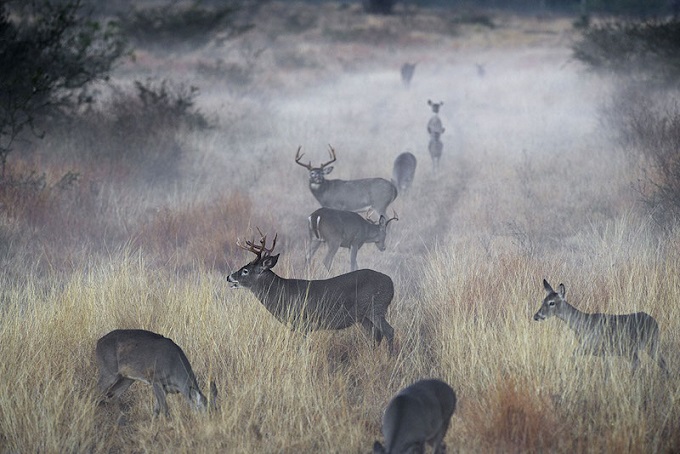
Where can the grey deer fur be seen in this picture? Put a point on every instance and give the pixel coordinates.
(418, 414)
(403, 172)
(339, 228)
(361, 296)
(128, 355)
(350, 195)
(602, 334)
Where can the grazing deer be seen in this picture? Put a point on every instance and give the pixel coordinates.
(339, 228)
(361, 296)
(350, 195)
(126, 355)
(435, 129)
(602, 334)
(403, 171)
(418, 414)
(407, 70)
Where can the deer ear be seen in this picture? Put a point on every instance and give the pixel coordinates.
(327, 170)
(561, 290)
(429, 102)
(269, 262)
(382, 220)
(547, 286)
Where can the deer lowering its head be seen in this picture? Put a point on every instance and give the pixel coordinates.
(418, 414)
(361, 296)
(601, 334)
(126, 355)
(338, 228)
(350, 195)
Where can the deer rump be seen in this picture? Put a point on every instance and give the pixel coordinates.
(334, 303)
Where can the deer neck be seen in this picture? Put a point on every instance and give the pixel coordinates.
(574, 318)
(276, 294)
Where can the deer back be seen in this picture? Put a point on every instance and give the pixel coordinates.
(345, 228)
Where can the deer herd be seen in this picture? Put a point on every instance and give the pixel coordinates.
(419, 414)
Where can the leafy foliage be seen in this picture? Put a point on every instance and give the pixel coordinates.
(48, 55)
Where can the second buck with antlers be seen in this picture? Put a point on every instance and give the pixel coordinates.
(418, 414)
(126, 355)
(601, 334)
(338, 228)
(350, 195)
(361, 296)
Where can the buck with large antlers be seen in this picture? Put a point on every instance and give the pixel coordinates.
(349, 195)
(339, 228)
(361, 296)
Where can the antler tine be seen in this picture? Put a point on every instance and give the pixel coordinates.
(299, 156)
(331, 151)
(394, 216)
(263, 243)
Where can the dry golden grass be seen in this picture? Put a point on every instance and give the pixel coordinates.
(529, 188)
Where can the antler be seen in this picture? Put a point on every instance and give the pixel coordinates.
(299, 156)
(308, 166)
(258, 250)
(331, 151)
(393, 218)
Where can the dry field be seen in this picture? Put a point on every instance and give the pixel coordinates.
(531, 186)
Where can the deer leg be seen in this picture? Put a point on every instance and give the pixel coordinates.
(161, 404)
(119, 387)
(311, 250)
(385, 329)
(656, 356)
(372, 330)
(332, 249)
(353, 257)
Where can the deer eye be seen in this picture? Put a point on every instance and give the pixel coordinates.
(551, 303)
(244, 271)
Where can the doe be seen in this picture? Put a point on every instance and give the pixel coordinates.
(601, 334)
(418, 414)
(126, 355)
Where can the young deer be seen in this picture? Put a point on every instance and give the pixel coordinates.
(361, 296)
(435, 129)
(418, 414)
(126, 355)
(338, 228)
(602, 334)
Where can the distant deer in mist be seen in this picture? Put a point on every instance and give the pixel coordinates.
(435, 129)
(128, 355)
(418, 414)
(404, 171)
(407, 71)
(603, 334)
(361, 296)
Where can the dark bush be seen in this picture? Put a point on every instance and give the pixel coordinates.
(649, 49)
(49, 53)
(183, 25)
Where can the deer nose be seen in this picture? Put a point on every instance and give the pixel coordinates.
(538, 317)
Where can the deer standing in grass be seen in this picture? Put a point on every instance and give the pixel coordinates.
(339, 228)
(435, 129)
(418, 414)
(361, 296)
(350, 195)
(601, 334)
(128, 355)
(403, 171)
